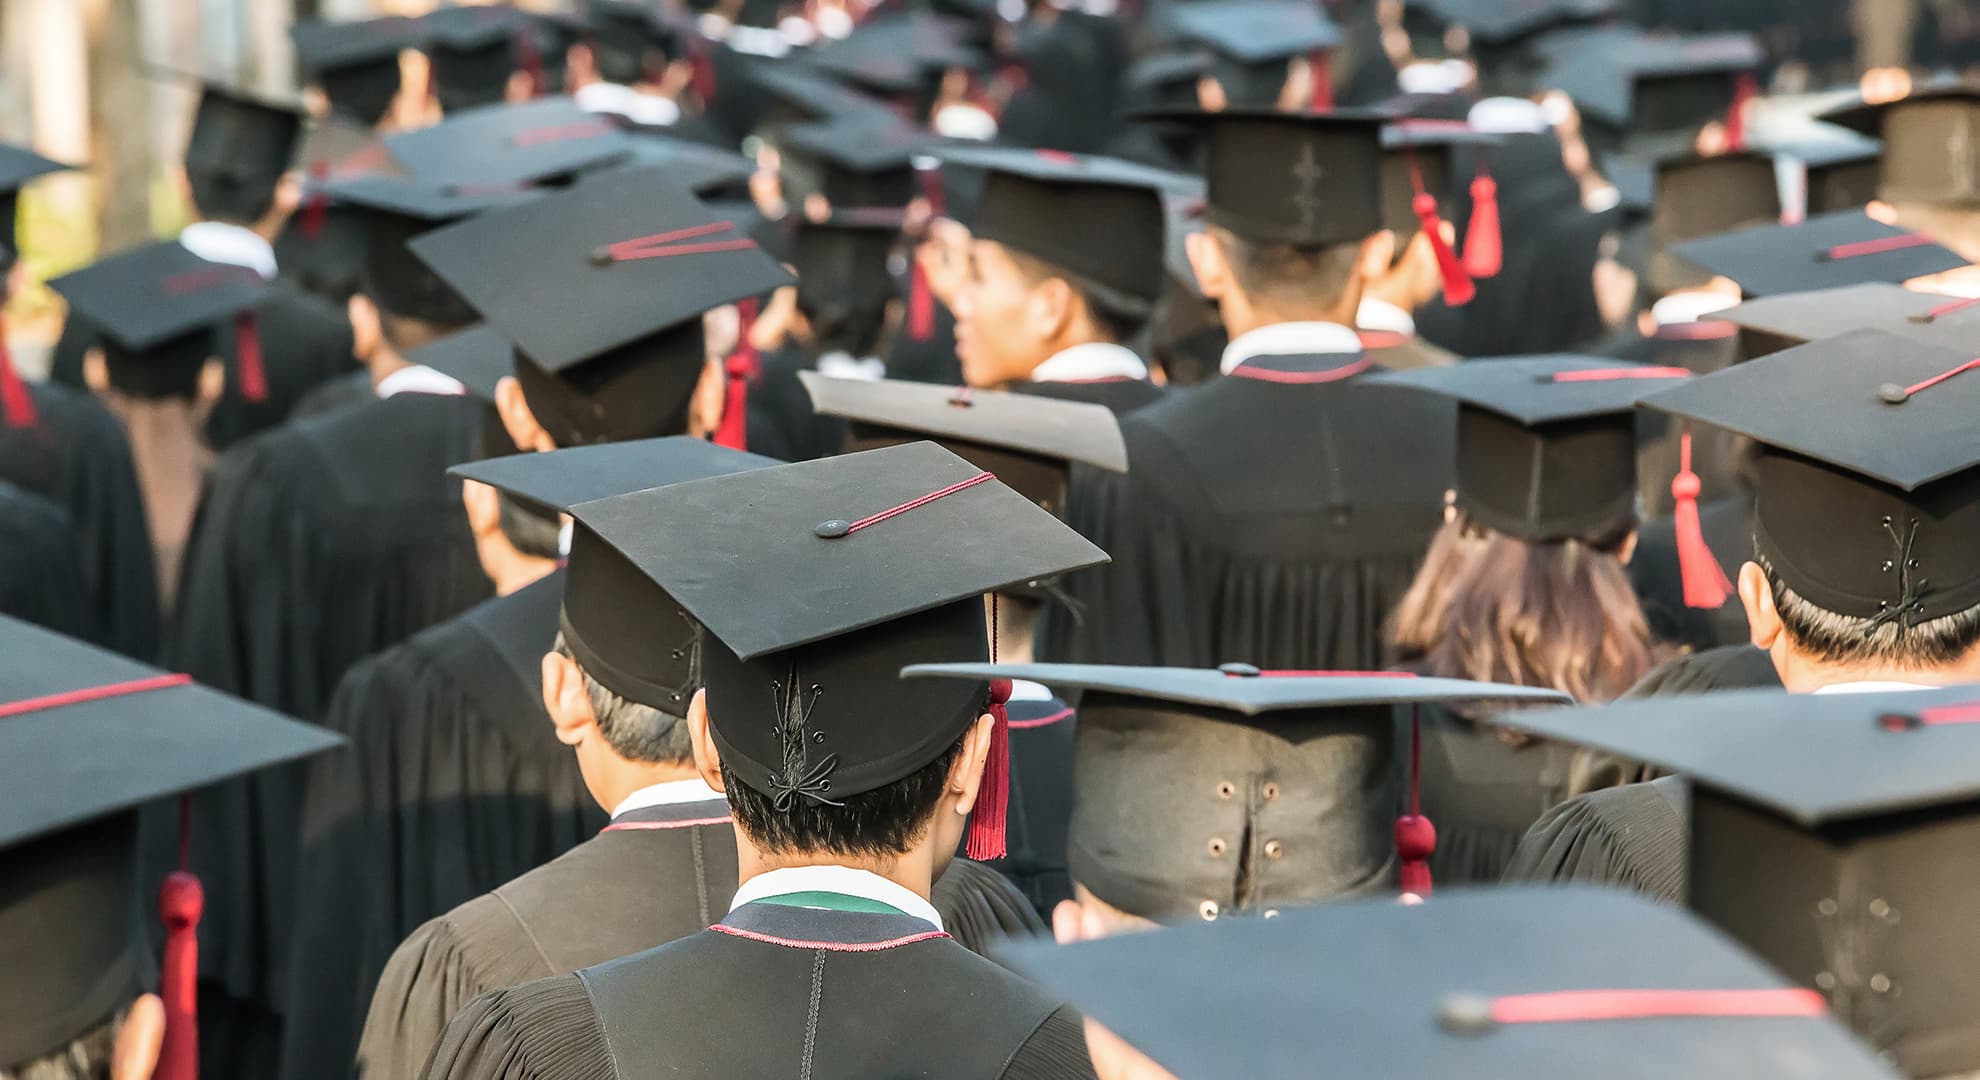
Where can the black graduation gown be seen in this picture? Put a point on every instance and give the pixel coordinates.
(41, 574)
(76, 457)
(454, 783)
(775, 991)
(1482, 792)
(653, 876)
(316, 544)
(1727, 525)
(341, 392)
(1273, 516)
(1122, 395)
(304, 341)
(1041, 800)
(1635, 836)
(782, 423)
(328, 264)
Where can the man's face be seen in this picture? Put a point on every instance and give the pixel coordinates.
(999, 338)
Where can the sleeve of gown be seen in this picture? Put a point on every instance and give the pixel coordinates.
(980, 907)
(428, 980)
(1627, 837)
(1098, 620)
(109, 510)
(544, 1030)
(1056, 1051)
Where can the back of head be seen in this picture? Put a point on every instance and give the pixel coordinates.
(167, 371)
(220, 194)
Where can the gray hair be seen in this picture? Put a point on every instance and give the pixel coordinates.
(1845, 639)
(634, 731)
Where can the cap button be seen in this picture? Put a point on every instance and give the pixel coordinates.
(600, 256)
(833, 529)
(1892, 394)
(1465, 1014)
(1238, 671)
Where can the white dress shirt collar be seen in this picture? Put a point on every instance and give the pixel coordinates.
(844, 880)
(1689, 307)
(839, 364)
(1870, 687)
(1381, 315)
(1089, 362)
(1290, 339)
(646, 110)
(419, 379)
(671, 793)
(235, 245)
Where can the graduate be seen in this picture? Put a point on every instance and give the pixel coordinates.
(239, 184)
(813, 585)
(59, 443)
(455, 783)
(1273, 516)
(41, 574)
(79, 914)
(1929, 189)
(1862, 577)
(1065, 271)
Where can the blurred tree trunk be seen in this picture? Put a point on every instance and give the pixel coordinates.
(270, 56)
(119, 116)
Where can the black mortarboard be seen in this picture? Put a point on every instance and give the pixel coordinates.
(479, 358)
(601, 290)
(1772, 323)
(1292, 178)
(1028, 441)
(841, 262)
(1822, 252)
(624, 629)
(247, 141)
(706, 170)
(901, 57)
(1252, 40)
(356, 63)
(1546, 445)
(816, 583)
(1096, 218)
(87, 737)
(1931, 143)
(1167, 80)
(474, 52)
(156, 309)
(622, 33)
(1838, 836)
(1842, 173)
(858, 161)
(1868, 499)
(1645, 90)
(18, 167)
(396, 211)
(1461, 986)
(1703, 196)
(537, 142)
(1502, 22)
(1207, 793)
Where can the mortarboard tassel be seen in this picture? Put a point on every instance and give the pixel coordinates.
(180, 901)
(921, 304)
(317, 209)
(1484, 253)
(247, 346)
(16, 404)
(1468, 1015)
(987, 838)
(741, 368)
(702, 70)
(1322, 65)
(1416, 837)
(1458, 288)
(1744, 91)
(1705, 584)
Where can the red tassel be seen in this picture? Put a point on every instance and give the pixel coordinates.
(921, 304)
(180, 900)
(1744, 90)
(741, 368)
(317, 209)
(986, 822)
(247, 346)
(1705, 584)
(16, 403)
(1416, 837)
(702, 70)
(1458, 288)
(1322, 99)
(1483, 252)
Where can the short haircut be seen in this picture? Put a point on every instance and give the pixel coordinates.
(85, 1057)
(883, 822)
(531, 531)
(843, 324)
(1846, 639)
(1292, 279)
(406, 333)
(634, 731)
(218, 196)
(1116, 316)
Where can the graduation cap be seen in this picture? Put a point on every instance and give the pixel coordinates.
(601, 290)
(1842, 173)
(1835, 835)
(1205, 793)
(1184, 214)
(815, 583)
(1167, 80)
(19, 167)
(1252, 42)
(396, 210)
(1292, 178)
(622, 33)
(625, 630)
(703, 169)
(1772, 323)
(356, 63)
(156, 309)
(1698, 195)
(1418, 174)
(239, 149)
(1546, 445)
(1098, 219)
(474, 50)
(1821, 252)
(1502, 23)
(1868, 512)
(1489, 983)
(842, 262)
(1931, 143)
(858, 161)
(1029, 442)
(900, 57)
(547, 141)
(86, 738)
(1641, 90)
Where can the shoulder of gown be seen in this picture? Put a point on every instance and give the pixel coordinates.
(1055, 1051)
(446, 963)
(1729, 667)
(544, 1030)
(981, 908)
(1631, 837)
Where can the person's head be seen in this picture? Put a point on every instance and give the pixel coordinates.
(1086, 917)
(187, 370)
(1813, 647)
(611, 734)
(1016, 311)
(845, 290)
(513, 540)
(259, 203)
(401, 305)
(238, 157)
(1262, 282)
(644, 389)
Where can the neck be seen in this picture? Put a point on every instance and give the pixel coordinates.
(625, 777)
(1241, 319)
(1393, 291)
(1017, 633)
(512, 571)
(267, 230)
(914, 871)
(383, 361)
(1804, 674)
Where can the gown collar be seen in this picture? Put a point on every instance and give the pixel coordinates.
(844, 881)
(235, 245)
(1095, 361)
(1290, 339)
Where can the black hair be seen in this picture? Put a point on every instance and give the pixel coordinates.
(885, 821)
(842, 324)
(1846, 639)
(1116, 316)
(221, 196)
(169, 370)
(1291, 278)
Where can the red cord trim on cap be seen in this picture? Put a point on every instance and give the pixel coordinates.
(1578, 1006)
(1617, 374)
(1290, 673)
(92, 693)
(1041, 721)
(1245, 371)
(583, 129)
(196, 280)
(1875, 247)
(666, 244)
(913, 504)
(829, 946)
(1946, 309)
(1942, 377)
(626, 826)
(1937, 716)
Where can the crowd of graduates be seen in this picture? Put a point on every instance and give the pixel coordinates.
(1142, 539)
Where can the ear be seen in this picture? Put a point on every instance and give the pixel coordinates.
(134, 1056)
(565, 700)
(1763, 622)
(212, 383)
(1066, 922)
(707, 760)
(519, 88)
(1628, 549)
(484, 509)
(1378, 253)
(966, 775)
(1052, 304)
(517, 419)
(367, 328)
(96, 370)
(1210, 96)
(1207, 262)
